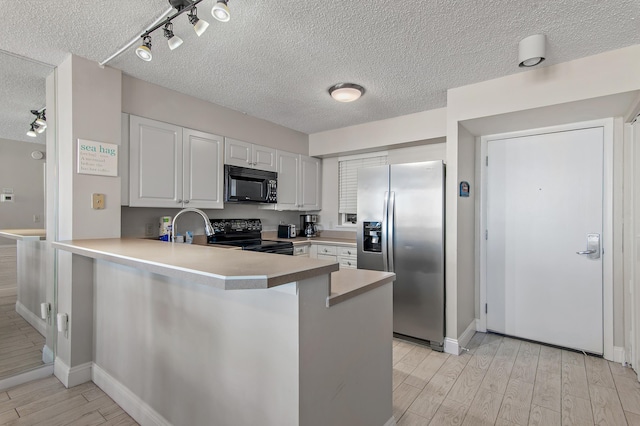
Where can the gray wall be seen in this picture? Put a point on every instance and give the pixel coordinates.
(155, 102)
(466, 231)
(26, 176)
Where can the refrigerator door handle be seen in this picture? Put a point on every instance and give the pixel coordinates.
(390, 226)
(383, 243)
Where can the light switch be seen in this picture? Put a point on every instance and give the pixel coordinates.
(6, 198)
(97, 201)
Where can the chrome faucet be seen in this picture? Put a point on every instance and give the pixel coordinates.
(208, 229)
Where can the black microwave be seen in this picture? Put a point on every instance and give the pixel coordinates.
(242, 184)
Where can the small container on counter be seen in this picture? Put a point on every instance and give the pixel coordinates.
(165, 228)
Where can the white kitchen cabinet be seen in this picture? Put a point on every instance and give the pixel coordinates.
(174, 167)
(301, 250)
(245, 154)
(345, 256)
(123, 159)
(299, 181)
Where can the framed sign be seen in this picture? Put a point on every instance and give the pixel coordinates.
(97, 158)
(464, 188)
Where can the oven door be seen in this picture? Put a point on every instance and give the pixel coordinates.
(248, 185)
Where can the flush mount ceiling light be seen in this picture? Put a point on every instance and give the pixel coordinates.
(39, 124)
(220, 11)
(199, 25)
(172, 40)
(346, 92)
(531, 50)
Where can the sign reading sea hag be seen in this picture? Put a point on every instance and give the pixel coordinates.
(97, 158)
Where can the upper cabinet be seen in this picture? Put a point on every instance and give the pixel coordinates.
(299, 180)
(245, 154)
(174, 167)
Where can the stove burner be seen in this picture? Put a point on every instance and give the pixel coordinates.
(246, 233)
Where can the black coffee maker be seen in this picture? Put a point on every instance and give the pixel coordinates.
(308, 227)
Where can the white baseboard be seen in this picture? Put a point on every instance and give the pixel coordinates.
(11, 291)
(47, 355)
(618, 354)
(129, 401)
(27, 376)
(72, 376)
(391, 422)
(455, 346)
(36, 322)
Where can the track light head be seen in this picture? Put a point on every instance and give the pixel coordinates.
(32, 133)
(220, 11)
(144, 51)
(199, 25)
(173, 40)
(41, 121)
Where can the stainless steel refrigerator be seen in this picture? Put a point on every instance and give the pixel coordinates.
(401, 230)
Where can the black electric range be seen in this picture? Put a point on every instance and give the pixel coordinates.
(246, 233)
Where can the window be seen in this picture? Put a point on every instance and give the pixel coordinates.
(348, 183)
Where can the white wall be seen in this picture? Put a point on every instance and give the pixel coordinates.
(329, 216)
(577, 84)
(383, 134)
(25, 176)
(158, 103)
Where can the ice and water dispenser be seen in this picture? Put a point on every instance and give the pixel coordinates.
(372, 236)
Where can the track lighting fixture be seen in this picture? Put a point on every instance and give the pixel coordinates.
(144, 51)
(220, 11)
(32, 133)
(39, 124)
(173, 40)
(199, 25)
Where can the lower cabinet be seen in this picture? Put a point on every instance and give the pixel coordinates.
(301, 250)
(345, 256)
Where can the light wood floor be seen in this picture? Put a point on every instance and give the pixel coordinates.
(505, 381)
(48, 402)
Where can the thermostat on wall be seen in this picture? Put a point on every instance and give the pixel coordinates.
(6, 198)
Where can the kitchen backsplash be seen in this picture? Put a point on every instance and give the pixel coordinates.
(136, 219)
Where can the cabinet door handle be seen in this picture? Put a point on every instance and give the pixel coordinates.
(179, 201)
(186, 201)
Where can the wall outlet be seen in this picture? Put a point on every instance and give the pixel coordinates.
(97, 201)
(148, 230)
(6, 198)
(36, 218)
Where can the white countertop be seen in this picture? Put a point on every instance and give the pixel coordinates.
(216, 267)
(227, 269)
(24, 234)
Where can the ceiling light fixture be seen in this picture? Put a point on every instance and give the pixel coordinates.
(172, 40)
(39, 124)
(531, 50)
(346, 92)
(32, 133)
(144, 50)
(220, 11)
(199, 25)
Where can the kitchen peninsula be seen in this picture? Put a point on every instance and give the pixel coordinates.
(188, 334)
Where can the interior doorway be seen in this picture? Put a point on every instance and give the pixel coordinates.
(546, 211)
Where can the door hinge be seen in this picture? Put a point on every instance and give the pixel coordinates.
(486, 308)
(486, 160)
(486, 234)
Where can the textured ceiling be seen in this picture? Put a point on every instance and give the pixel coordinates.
(275, 59)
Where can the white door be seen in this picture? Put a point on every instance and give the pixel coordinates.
(544, 197)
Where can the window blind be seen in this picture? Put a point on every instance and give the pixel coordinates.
(348, 181)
